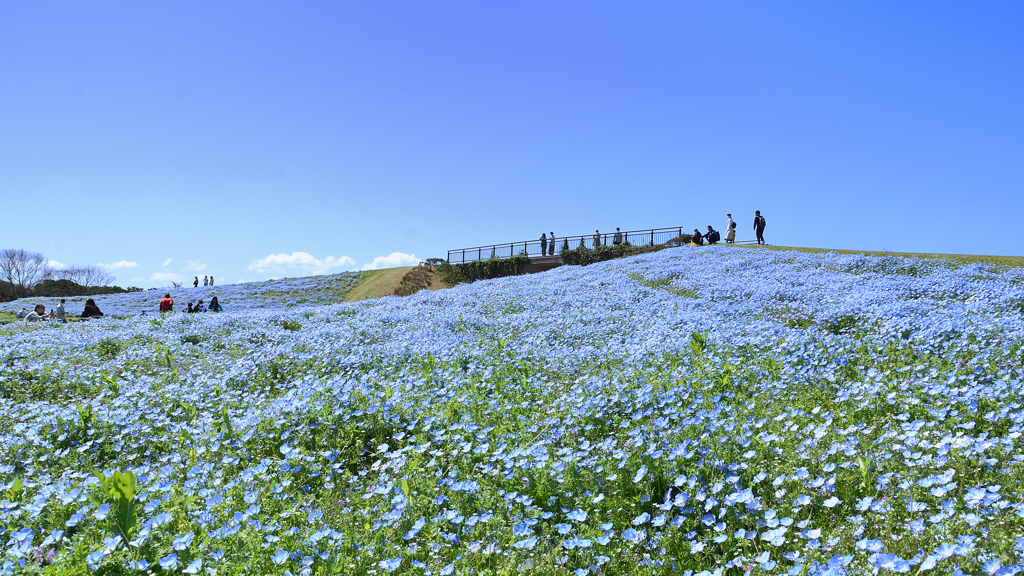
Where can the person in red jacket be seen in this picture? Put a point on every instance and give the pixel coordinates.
(167, 304)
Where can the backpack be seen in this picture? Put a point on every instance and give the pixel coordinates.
(733, 226)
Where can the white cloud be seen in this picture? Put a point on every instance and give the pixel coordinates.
(299, 263)
(165, 277)
(393, 260)
(120, 265)
(194, 265)
(56, 265)
(167, 262)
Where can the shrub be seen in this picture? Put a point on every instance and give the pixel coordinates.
(583, 256)
(454, 274)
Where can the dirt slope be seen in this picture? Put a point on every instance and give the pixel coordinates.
(395, 282)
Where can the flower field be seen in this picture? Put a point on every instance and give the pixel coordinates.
(691, 411)
(239, 297)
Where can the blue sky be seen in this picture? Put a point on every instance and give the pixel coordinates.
(250, 140)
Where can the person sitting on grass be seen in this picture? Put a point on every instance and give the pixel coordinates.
(91, 310)
(190, 309)
(199, 307)
(38, 314)
(712, 235)
(697, 239)
(167, 304)
(24, 312)
(214, 305)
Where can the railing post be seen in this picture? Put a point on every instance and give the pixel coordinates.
(652, 237)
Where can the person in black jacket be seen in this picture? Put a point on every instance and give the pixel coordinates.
(697, 238)
(543, 244)
(91, 310)
(712, 236)
(759, 225)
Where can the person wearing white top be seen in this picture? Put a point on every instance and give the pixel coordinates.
(38, 314)
(730, 230)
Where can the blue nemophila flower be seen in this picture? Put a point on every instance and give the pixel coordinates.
(390, 564)
(526, 543)
(892, 562)
(280, 557)
(102, 512)
(640, 473)
(183, 542)
(169, 562)
(194, 567)
(577, 515)
(576, 543)
(870, 545)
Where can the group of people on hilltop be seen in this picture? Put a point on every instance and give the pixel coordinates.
(167, 305)
(207, 281)
(547, 242)
(712, 236)
(39, 313)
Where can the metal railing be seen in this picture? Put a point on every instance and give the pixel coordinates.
(532, 248)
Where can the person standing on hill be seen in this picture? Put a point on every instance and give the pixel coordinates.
(167, 304)
(730, 230)
(551, 243)
(211, 280)
(60, 312)
(206, 280)
(543, 244)
(597, 239)
(195, 283)
(759, 225)
(617, 238)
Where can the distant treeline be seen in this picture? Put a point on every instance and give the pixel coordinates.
(59, 289)
(26, 274)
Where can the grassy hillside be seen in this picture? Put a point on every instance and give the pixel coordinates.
(699, 411)
(378, 283)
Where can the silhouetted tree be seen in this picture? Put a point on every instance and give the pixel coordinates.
(22, 269)
(83, 275)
